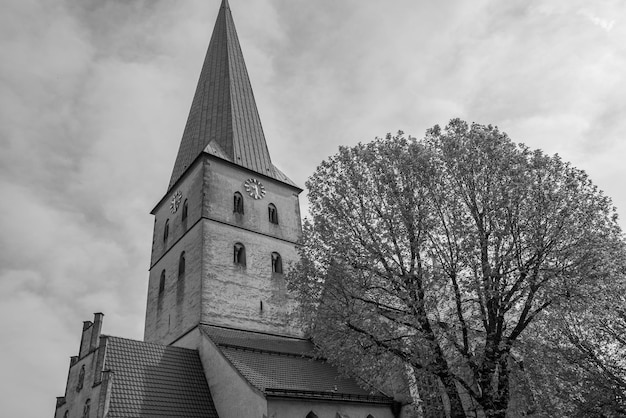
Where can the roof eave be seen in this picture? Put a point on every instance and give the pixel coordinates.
(327, 396)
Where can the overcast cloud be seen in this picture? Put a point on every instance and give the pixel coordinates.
(94, 96)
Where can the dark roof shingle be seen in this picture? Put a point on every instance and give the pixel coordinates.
(151, 380)
(285, 366)
(223, 119)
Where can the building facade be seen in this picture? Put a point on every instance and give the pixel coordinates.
(220, 335)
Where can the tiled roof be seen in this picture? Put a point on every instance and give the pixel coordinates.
(270, 371)
(152, 380)
(259, 341)
(285, 366)
(223, 110)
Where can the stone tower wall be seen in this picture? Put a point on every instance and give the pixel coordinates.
(172, 312)
(190, 188)
(222, 180)
(250, 297)
(177, 309)
(215, 289)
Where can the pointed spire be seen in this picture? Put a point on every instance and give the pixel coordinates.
(223, 119)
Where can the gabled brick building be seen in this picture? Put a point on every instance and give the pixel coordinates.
(220, 339)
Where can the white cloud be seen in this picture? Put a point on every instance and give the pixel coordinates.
(94, 97)
(605, 24)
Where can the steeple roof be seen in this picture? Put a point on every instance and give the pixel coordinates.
(224, 120)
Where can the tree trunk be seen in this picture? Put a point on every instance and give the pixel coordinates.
(496, 409)
(498, 397)
(495, 412)
(456, 407)
(502, 394)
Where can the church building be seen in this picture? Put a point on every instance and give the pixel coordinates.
(220, 337)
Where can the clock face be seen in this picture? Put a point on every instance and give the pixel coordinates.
(175, 202)
(254, 188)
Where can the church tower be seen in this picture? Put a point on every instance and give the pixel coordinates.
(219, 339)
(228, 226)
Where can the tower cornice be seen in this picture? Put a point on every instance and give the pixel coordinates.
(285, 180)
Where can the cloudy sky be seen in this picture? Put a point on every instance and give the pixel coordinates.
(94, 96)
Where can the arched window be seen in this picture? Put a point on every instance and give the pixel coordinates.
(166, 230)
(181, 265)
(185, 211)
(311, 415)
(239, 254)
(162, 283)
(238, 203)
(66, 414)
(86, 408)
(370, 416)
(277, 263)
(272, 213)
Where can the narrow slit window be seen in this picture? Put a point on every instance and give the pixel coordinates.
(162, 283)
(166, 230)
(238, 203)
(277, 263)
(181, 266)
(185, 211)
(272, 213)
(239, 256)
(86, 408)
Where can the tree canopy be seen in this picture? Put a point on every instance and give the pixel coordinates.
(437, 255)
(581, 352)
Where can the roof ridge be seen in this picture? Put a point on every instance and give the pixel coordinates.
(271, 352)
(256, 332)
(148, 343)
